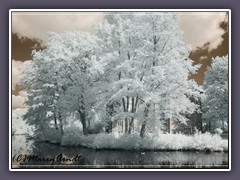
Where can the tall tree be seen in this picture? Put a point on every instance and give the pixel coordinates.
(69, 66)
(79, 73)
(118, 52)
(215, 103)
(42, 89)
(141, 54)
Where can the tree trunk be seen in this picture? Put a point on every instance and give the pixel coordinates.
(109, 111)
(126, 119)
(132, 119)
(127, 103)
(131, 125)
(126, 125)
(125, 109)
(143, 129)
(109, 127)
(83, 121)
(61, 123)
(134, 108)
(55, 121)
(82, 112)
(168, 126)
(209, 126)
(124, 106)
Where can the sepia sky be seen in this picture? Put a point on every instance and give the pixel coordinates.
(30, 31)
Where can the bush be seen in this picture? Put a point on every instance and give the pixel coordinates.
(218, 131)
(202, 142)
(51, 135)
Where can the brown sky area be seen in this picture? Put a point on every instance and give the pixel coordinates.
(16, 90)
(221, 50)
(22, 47)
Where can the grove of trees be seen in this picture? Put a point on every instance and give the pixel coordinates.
(133, 72)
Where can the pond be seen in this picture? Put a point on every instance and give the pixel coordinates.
(27, 153)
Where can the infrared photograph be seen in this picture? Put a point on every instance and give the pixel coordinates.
(120, 90)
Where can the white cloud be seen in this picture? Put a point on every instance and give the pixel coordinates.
(200, 28)
(23, 93)
(38, 24)
(18, 102)
(17, 71)
(17, 74)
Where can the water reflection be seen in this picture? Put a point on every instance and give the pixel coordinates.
(64, 157)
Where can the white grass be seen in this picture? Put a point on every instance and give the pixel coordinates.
(199, 142)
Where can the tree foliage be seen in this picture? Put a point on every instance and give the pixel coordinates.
(215, 104)
(133, 71)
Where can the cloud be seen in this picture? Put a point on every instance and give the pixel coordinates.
(18, 101)
(17, 74)
(23, 94)
(38, 24)
(17, 71)
(200, 28)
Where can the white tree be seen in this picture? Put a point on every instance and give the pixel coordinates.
(117, 53)
(69, 67)
(166, 69)
(215, 103)
(147, 63)
(78, 74)
(137, 66)
(42, 89)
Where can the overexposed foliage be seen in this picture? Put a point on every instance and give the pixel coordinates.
(215, 104)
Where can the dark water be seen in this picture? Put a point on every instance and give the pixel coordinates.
(46, 155)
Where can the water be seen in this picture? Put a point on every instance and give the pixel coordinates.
(46, 155)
